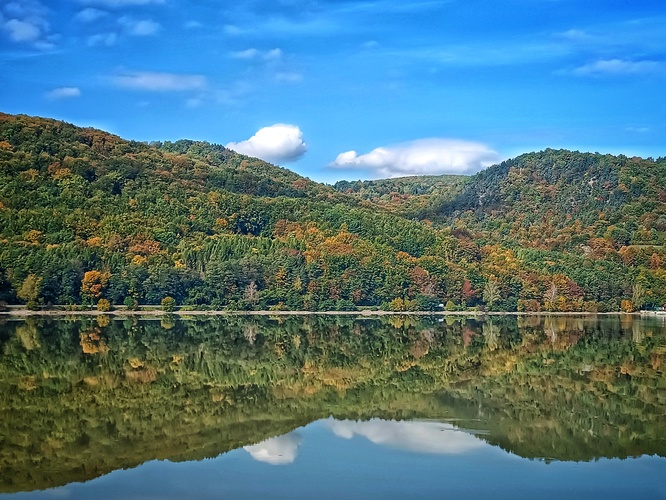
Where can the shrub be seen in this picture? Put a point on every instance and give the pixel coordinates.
(103, 305)
(627, 306)
(168, 304)
(131, 303)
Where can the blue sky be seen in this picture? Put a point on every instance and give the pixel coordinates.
(348, 89)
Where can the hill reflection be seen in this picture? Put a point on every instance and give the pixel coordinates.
(83, 397)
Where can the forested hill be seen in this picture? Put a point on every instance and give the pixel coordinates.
(89, 218)
(558, 199)
(107, 161)
(408, 196)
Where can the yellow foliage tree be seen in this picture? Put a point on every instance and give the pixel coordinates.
(93, 283)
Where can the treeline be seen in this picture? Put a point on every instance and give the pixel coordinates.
(86, 216)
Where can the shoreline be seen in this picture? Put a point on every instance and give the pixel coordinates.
(22, 312)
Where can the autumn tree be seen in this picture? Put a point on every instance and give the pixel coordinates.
(93, 284)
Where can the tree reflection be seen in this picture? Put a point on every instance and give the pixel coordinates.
(83, 397)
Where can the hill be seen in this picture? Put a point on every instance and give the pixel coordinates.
(558, 199)
(406, 195)
(86, 215)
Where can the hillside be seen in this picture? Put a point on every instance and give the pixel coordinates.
(407, 196)
(559, 199)
(86, 215)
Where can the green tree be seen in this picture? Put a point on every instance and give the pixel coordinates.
(638, 296)
(168, 304)
(491, 292)
(29, 291)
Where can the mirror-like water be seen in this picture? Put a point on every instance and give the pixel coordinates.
(333, 407)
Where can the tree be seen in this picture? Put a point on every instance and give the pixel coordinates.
(131, 303)
(103, 305)
(251, 294)
(491, 292)
(94, 283)
(550, 298)
(168, 304)
(638, 296)
(30, 290)
(468, 292)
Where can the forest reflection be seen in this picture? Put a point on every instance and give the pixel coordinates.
(84, 396)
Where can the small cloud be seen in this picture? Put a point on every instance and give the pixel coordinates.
(22, 31)
(159, 82)
(288, 77)
(64, 93)
(618, 67)
(273, 55)
(372, 44)
(102, 39)
(576, 35)
(277, 143)
(135, 27)
(252, 53)
(638, 130)
(193, 25)
(421, 157)
(245, 54)
(234, 30)
(89, 15)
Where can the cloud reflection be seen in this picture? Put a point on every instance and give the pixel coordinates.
(421, 437)
(279, 450)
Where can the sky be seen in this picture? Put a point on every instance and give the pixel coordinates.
(348, 89)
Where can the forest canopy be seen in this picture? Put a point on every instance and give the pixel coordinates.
(87, 216)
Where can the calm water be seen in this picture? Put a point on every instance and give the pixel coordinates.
(321, 407)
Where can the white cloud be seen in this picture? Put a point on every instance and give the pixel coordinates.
(136, 27)
(280, 450)
(245, 54)
(105, 39)
(422, 157)
(89, 15)
(22, 31)
(159, 82)
(27, 22)
(421, 437)
(64, 93)
(193, 25)
(575, 35)
(252, 53)
(277, 143)
(273, 54)
(618, 67)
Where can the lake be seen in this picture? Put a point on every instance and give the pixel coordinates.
(333, 407)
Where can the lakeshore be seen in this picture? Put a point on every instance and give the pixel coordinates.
(23, 312)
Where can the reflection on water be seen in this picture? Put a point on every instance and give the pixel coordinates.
(84, 397)
(419, 437)
(279, 450)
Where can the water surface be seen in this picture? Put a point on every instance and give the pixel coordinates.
(333, 407)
